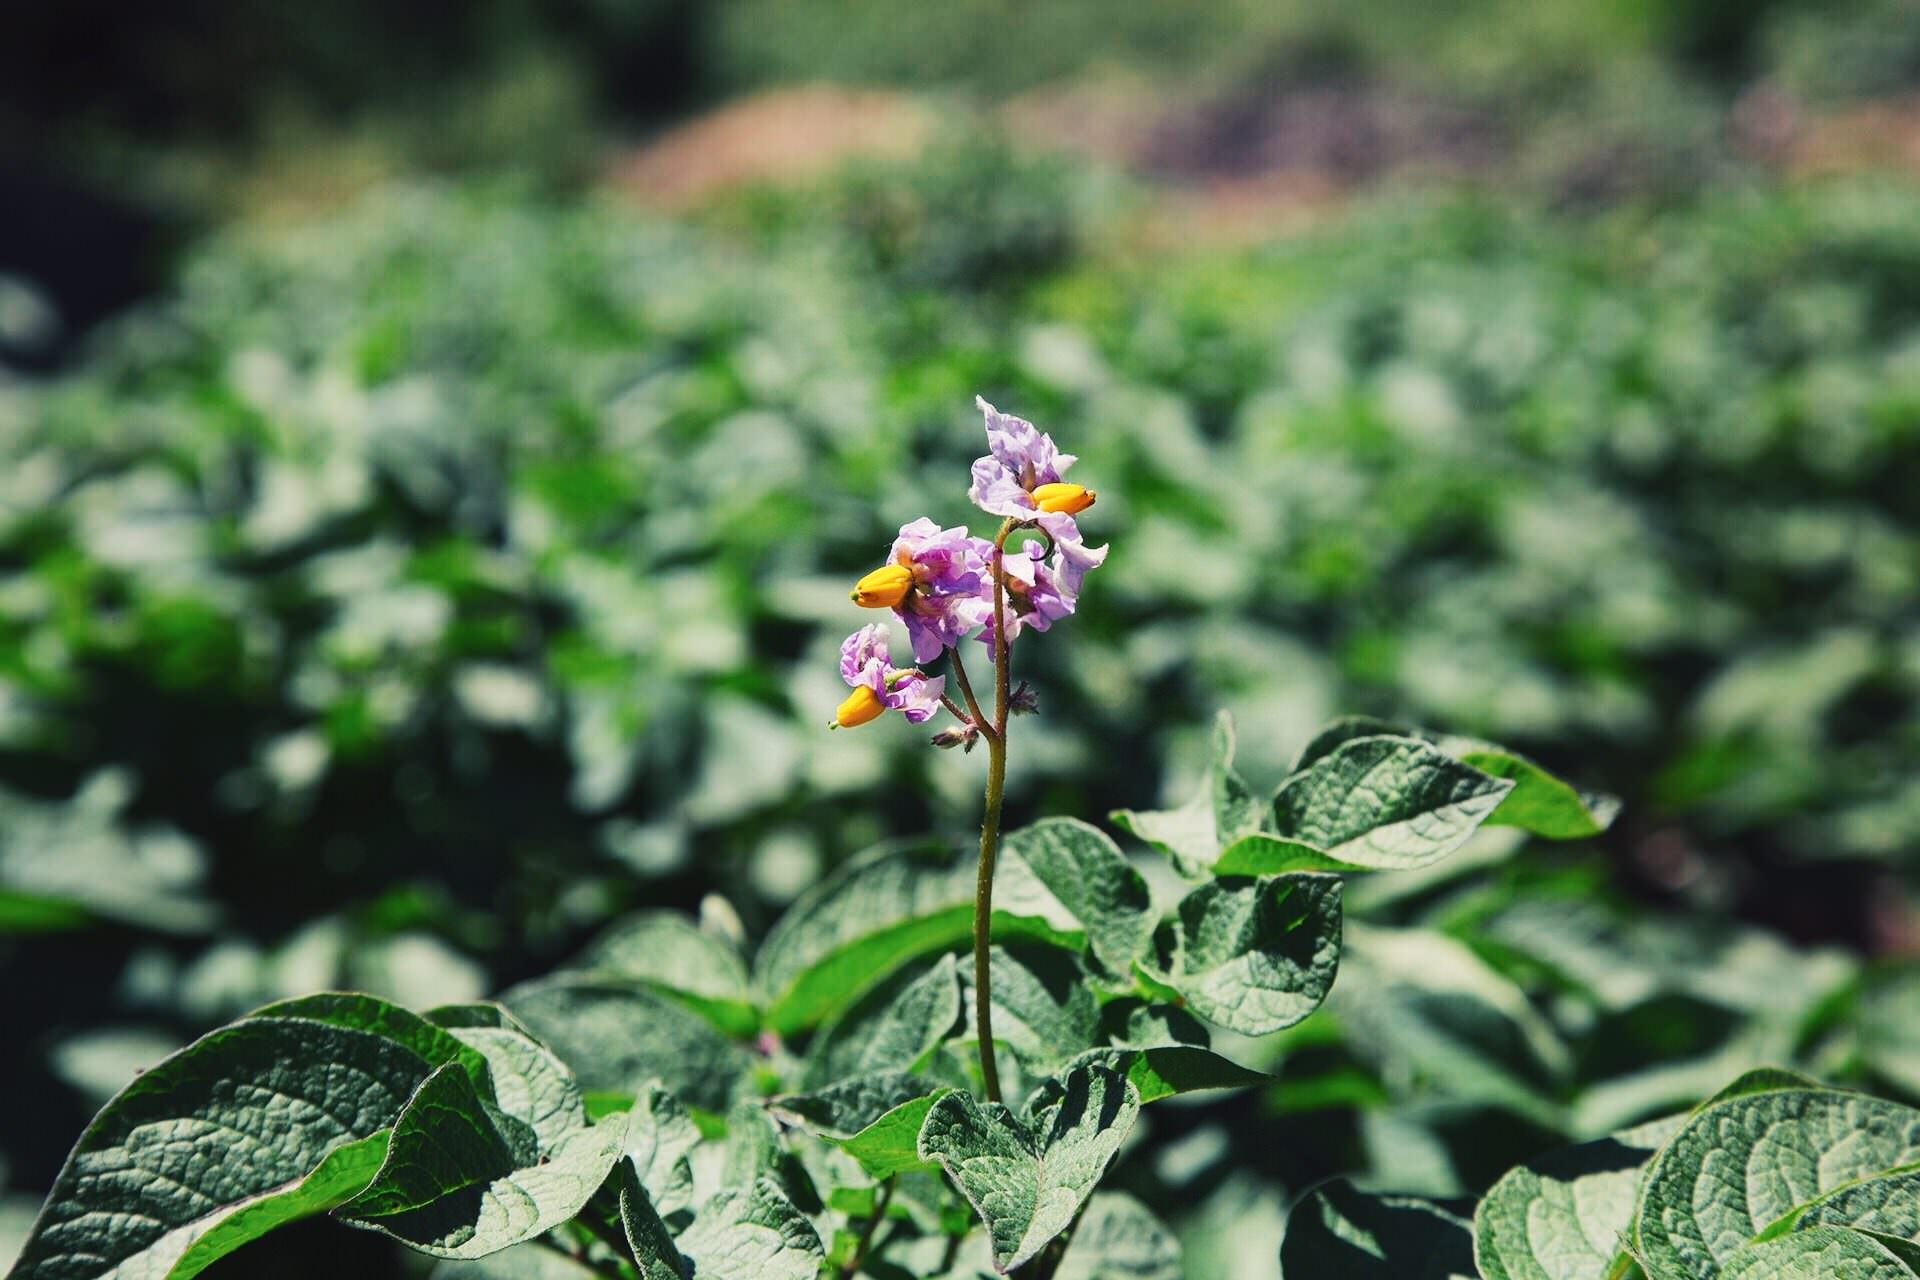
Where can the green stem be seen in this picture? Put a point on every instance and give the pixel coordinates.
(866, 1233)
(983, 913)
(990, 822)
(959, 670)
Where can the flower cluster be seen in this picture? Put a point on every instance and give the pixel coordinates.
(941, 582)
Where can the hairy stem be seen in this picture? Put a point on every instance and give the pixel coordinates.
(983, 913)
(865, 1243)
(959, 670)
(953, 708)
(990, 822)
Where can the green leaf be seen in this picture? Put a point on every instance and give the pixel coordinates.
(522, 1262)
(1565, 1215)
(1134, 1024)
(875, 1119)
(882, 908)
(752, 1233)
(1265, 855)
(661, 1137)
(1824, 1253)
(648, 1237)
(1337, 733)
(1339, 1231)
(152, 1187)
(891, 1028)
(463, 1179)
(1888, 1206)
(30, 913)
(753, 1145)
(1086, 871)
(1224, 810)
(480, 1013)
(1890, 1026)
(1163, 1071)
(1386, 803)
(1539, 802)
(1027, 1181)
(1118, 1236)
(672, 955)
(618, 1037)
(359, 1012)
(1253, 955)
(891, 1144)
(1798, 1144)
(1423, 1007)
(1043, 1008)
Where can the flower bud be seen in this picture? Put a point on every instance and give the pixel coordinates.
(884, 588)
(1025, 701)
(1060, 496)
(862, 705)
(959, 735)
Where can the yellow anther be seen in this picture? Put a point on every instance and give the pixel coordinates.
(884, 588)
(862, 705)
(1070, 498)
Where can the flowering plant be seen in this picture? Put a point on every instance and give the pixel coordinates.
(856, 1101)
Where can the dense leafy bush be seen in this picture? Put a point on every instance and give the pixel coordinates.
(414, 596)
(542, 1121)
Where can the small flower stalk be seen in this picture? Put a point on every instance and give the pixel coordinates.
(946, 587)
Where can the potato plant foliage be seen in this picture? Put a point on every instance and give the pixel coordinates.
(490, 549)
(818, 1107)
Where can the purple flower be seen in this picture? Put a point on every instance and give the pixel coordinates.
(879, 686)
(1020, 458)
(1042, 588)
(950, 574)
(933, 579)
(1022, 478)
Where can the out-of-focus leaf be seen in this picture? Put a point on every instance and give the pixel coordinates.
(1338, 1231)
(617, 1037)
(1223, 811)
(1117, 1236)
(673, 955)
(891, 1028)
(885, 906)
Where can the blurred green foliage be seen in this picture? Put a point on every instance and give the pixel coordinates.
(469, 532)
(412, 593)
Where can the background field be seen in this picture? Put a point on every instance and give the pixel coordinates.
(432, 461)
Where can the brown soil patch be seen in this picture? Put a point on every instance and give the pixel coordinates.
(1879, 135)
(782, 136)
